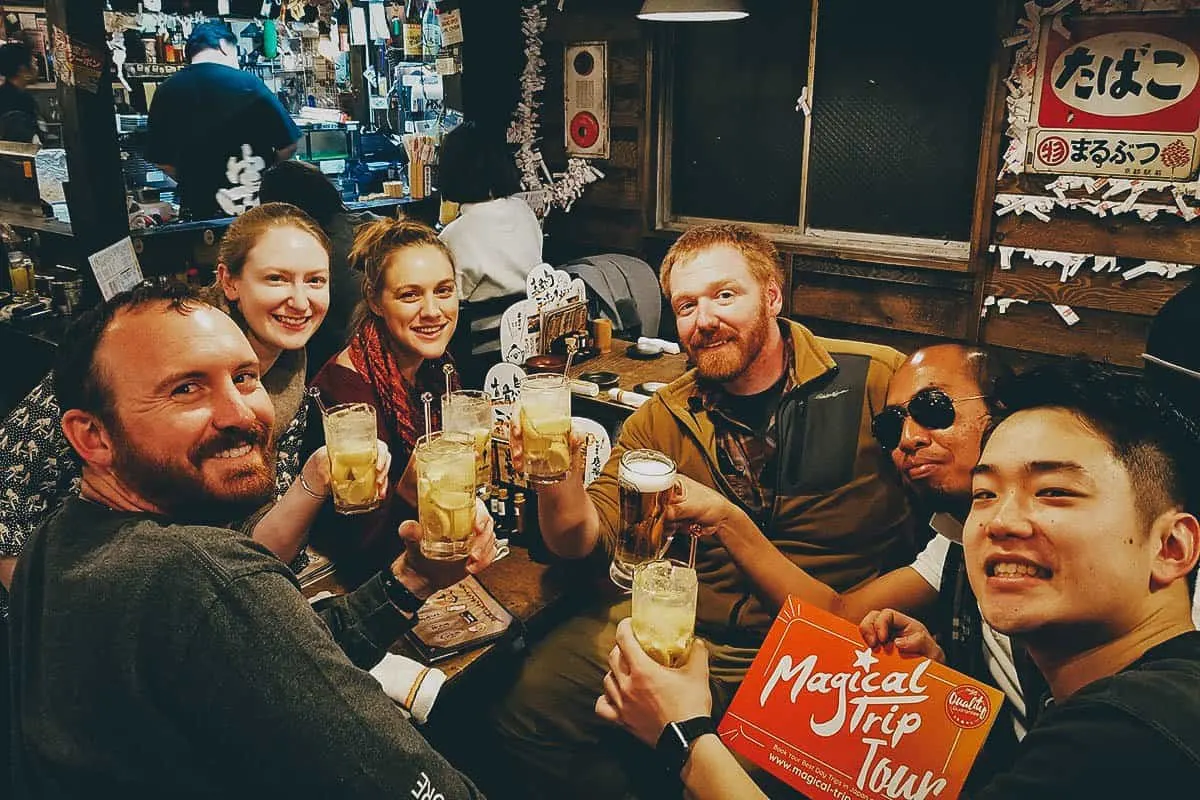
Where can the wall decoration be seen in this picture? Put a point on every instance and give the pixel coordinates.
(1110, 105)
(560, 189)
(585, 99)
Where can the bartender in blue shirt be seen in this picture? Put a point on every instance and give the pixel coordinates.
(215, 129)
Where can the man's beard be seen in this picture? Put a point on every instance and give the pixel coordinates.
(184, 494)
(733, 359)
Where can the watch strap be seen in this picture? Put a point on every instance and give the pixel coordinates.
(400, 595)
(675, 742)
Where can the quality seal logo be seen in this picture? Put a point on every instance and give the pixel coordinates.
(967, 707)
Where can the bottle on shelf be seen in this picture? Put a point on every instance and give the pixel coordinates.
(412, 31)
(431, 33)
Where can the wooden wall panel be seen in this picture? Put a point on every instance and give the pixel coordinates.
(903, 305)
(609, 217)
(910, 308)
(1101, 335)
(1106, 291)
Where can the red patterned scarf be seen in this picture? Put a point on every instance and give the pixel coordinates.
(400, 401)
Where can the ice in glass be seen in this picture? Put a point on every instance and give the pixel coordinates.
(545, 403)
(664, 610)
(469, 411)
(350, 436)
(445, 494)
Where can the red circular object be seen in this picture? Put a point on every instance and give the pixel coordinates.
(585, 129)
(1053, 150)
(968, 706)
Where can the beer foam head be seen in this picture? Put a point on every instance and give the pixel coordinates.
(647, 474)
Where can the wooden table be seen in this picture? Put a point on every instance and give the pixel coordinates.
(535, 593)
(664, 368)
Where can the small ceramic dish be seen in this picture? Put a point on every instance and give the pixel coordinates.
(605, 380)
(643, 352)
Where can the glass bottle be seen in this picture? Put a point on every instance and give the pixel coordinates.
(412, 31)
(431, 33)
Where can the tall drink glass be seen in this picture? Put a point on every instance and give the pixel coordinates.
(546, 427)
(350, 435)
(644, 482)
(445, 494)
(664, 610)
(469, 411)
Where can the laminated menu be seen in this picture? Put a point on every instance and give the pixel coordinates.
(836, 719)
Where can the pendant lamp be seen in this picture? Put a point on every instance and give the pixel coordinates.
(692, 10)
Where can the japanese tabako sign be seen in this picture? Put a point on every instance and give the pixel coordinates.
(1120, 97)
(835, 719)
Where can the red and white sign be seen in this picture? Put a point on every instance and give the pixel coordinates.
(1120, 97)
(837, 720)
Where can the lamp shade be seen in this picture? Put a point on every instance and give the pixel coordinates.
(692, 10)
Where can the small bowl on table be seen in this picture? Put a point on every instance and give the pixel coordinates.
(603, 379)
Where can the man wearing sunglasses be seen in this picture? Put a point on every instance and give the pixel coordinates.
(936, 410)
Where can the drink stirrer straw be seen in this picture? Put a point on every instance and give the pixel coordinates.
(448, 369)
(567, 367)
(427, 399)
(315, 394)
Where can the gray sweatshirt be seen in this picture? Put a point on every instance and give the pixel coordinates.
(160, 660)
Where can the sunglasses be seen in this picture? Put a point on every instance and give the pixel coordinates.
(932, 409)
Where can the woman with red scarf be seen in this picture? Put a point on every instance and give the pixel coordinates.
(396, 352)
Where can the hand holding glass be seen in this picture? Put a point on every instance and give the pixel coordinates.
(664, 610)
(645, 479)
(545, 403)
(445, 494)
(350, 436)
(469, 411)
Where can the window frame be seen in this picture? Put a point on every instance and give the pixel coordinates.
(909, 251)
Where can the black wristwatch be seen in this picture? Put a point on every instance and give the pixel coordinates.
(675, 743)
(400, 595)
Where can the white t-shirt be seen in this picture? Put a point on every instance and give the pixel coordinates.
(495, 245)
(997, 649)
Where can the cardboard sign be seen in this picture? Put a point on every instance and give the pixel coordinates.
(1120, 97)
(835, 719)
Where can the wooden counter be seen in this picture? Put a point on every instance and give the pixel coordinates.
(633, 371)
(535, 593)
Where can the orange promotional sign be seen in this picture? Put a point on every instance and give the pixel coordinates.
(835, 719)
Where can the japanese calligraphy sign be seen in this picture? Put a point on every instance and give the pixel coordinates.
(837, 720)
(1121, 97)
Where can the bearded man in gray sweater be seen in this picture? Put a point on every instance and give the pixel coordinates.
(156, 654)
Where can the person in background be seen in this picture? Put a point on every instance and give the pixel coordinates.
(397, 349)
(273, 280)
(18, 111)
(1173, 362)
(1083, 540)
(306, 187)
(215, 129)
(772, 417)
(496, 239)
(157, 653)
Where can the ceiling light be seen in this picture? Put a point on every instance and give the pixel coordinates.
(692, 10)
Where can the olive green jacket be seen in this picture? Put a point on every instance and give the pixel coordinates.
(839, 512)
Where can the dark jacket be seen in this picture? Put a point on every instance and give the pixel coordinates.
(1117, 737)
(159, 660)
